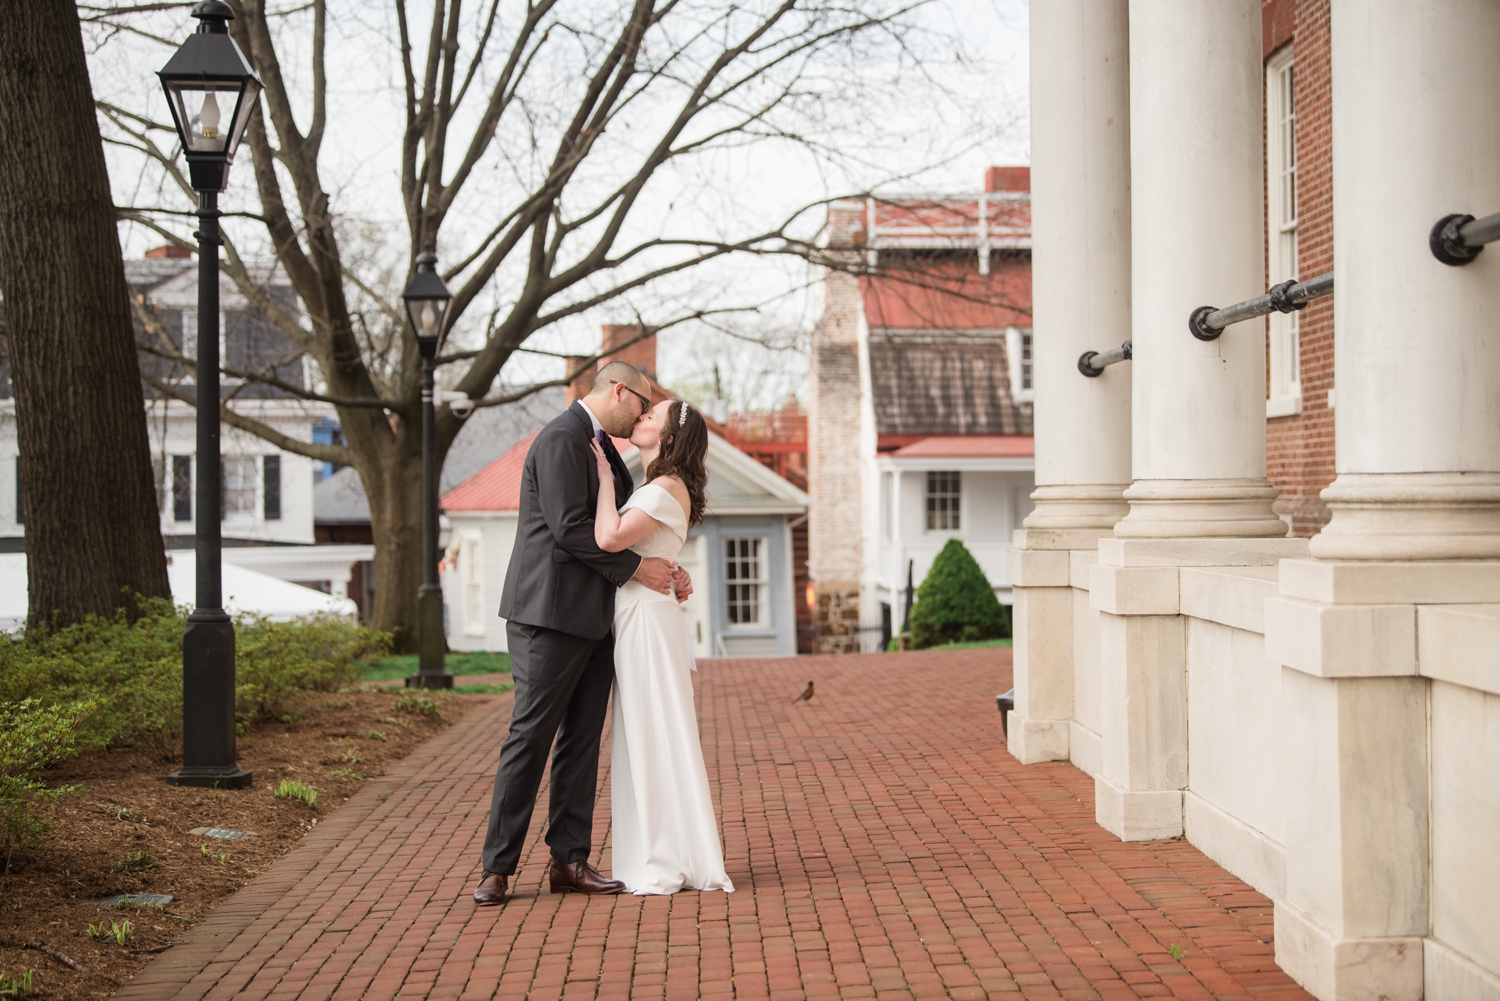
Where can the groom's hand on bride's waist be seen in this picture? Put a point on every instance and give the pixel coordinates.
(655, 573)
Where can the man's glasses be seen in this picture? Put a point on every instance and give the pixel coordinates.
(645, 401)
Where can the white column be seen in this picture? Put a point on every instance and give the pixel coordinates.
(1080, 237)
(1198, 218)
(1416, 94)
(1367, 664)
(1080, 210)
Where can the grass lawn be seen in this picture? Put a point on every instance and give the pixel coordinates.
(458, 663)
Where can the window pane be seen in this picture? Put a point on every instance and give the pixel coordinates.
(745, 580)
(943, 491)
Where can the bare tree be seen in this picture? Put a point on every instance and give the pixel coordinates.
(530, 140)
(93, 531)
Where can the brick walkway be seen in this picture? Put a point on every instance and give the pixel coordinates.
(883, 843)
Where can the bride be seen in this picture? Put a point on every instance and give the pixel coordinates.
(665, 834)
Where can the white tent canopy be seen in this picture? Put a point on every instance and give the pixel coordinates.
(245, 592)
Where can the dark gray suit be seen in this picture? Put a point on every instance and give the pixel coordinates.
(559, 601)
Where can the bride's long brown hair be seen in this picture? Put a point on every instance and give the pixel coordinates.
(684, 446)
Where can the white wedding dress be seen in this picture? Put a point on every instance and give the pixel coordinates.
(665, 833)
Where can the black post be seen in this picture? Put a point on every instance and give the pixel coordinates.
(432, 672)
(208, 749)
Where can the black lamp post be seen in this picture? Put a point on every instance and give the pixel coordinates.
(211, 88)
(427, 300)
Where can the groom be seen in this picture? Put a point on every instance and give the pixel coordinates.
(559, 603)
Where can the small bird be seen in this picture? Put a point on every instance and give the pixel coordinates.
(807, 693)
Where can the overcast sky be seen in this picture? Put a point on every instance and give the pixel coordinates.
(947, 149)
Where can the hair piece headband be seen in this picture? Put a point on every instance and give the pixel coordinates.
(682, 415)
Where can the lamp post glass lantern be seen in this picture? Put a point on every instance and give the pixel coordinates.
(427, 301)
(211, 89)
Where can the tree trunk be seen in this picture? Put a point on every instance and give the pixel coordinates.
(396, 524)
(92, 525)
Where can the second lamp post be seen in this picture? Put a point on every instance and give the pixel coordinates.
(427, 300)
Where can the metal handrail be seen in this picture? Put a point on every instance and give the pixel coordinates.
(1093, 363)
(1208, 322)
(1458, 238)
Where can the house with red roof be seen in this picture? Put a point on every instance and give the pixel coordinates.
(742, 558)
(920, 403)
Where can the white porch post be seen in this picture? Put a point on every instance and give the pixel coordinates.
(1080, 95)
(1198, 218)
(1383, 898)
(1198, 422)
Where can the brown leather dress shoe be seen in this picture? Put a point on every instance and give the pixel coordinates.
(579, 877)
(491, 889)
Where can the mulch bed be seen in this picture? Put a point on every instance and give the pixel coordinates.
(129, 809)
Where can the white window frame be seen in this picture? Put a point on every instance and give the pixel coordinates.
(242, 488)
(761, 581)
(471, 580)
(955, 515)
(1283, 348)
(1020, 355)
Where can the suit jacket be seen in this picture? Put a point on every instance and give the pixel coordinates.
(559, 578)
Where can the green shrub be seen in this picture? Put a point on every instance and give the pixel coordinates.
(276, 660)
(31, 738)
(134, 670)
(955, 603)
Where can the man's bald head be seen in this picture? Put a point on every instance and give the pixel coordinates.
(619, 397)
(619, 371)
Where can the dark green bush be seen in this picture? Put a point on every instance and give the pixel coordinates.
(955, 603)
(31, 738)
(134, 671)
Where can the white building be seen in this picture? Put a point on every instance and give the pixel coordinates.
(267, 492)
(919, 423)
(1321, 717)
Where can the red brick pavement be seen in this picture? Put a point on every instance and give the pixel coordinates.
(883, 843)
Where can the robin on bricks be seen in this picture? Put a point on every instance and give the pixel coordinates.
(807, 694)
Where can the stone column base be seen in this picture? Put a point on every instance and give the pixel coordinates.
(1411, 516)
(1208, 509)
(837, 618)
(1137, 814)
(1032, 740)
(1346, 969)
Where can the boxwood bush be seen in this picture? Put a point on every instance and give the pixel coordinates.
(955, 603)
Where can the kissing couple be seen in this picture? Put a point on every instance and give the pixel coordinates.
(590, 603)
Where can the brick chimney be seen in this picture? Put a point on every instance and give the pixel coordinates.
(641, 354)
(846, 223)
(169, 253)
(1007, 179)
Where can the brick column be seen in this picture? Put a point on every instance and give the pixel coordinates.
(1080, 95)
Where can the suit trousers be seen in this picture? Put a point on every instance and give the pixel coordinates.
(562, 689)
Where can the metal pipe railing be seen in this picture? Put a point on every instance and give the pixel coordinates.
(1458, 238)
(1208, 322)
(1093, 363)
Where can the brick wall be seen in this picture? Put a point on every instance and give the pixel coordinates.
(1300, 448)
